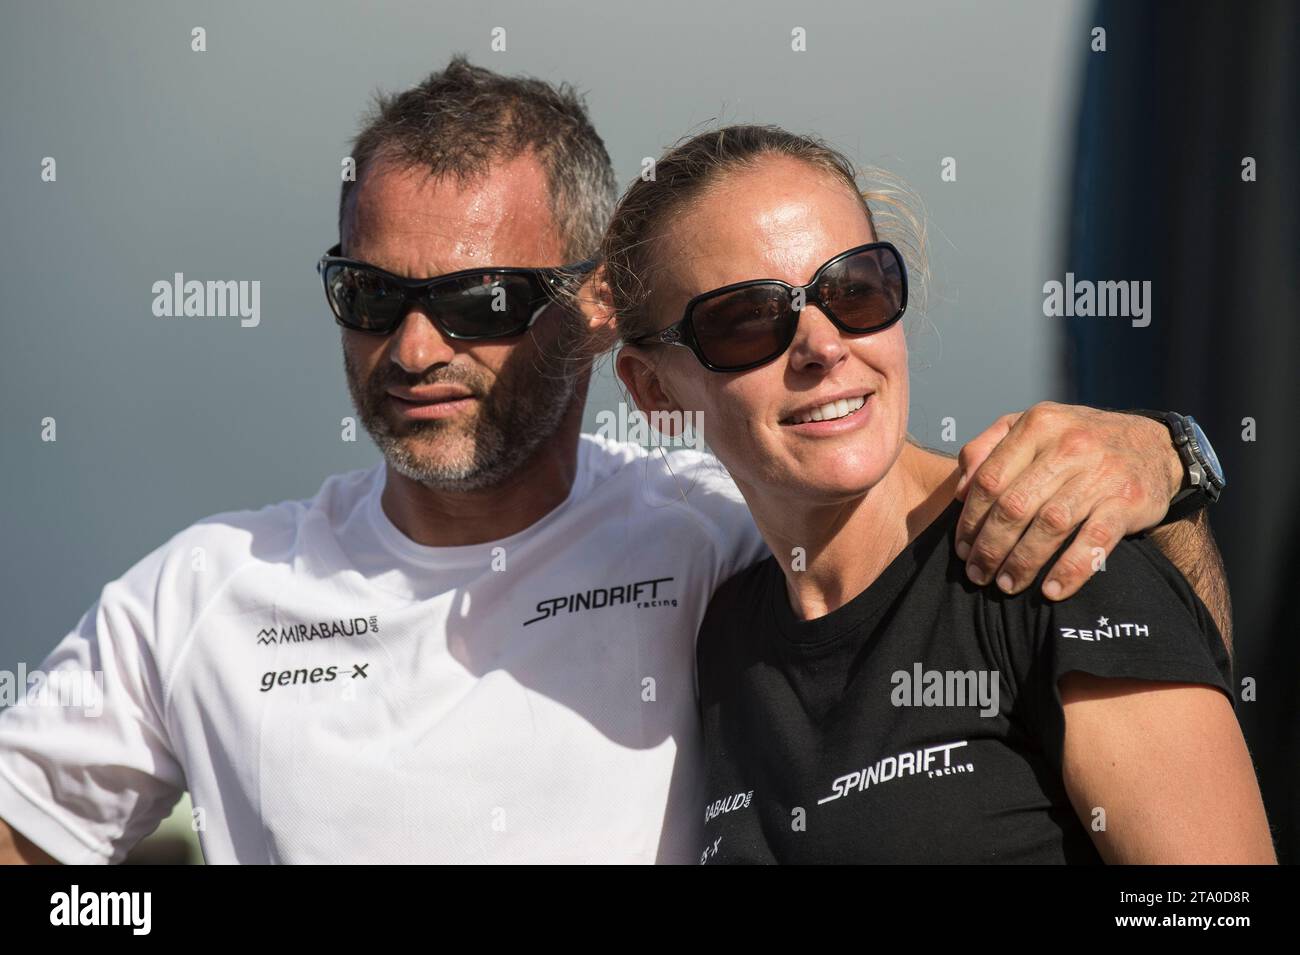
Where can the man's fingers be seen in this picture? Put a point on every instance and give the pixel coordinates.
(1086, 555)
(1058, 511)
(993, 476)
(978, 448)
(1017, 511)
(1010, 516)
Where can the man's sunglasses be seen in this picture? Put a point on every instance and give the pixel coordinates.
(742, 326)
(469, 305)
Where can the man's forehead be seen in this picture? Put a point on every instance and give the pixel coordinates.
(404, 219)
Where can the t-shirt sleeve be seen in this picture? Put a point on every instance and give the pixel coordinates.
(1138, 619)
(698, 482)
(86, 766)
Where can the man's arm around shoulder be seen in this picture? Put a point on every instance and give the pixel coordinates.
(1189, 544)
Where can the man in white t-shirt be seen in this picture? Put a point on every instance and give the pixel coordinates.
(481, 649)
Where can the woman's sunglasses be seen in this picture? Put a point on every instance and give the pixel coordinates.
(468, 305)
(742, 326)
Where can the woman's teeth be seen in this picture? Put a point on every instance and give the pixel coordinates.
(831, 410)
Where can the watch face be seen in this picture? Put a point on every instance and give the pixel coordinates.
(1207, 452)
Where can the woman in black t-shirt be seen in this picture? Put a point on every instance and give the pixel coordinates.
(862, 699)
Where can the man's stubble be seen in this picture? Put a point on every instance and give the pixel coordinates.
(515, 416)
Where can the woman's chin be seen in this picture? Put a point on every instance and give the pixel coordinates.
(825, 474)
(828, 485)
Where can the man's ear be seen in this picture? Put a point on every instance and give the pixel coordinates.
(595, 301)
(595, 306)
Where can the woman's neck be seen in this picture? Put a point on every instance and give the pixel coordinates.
(831, 553)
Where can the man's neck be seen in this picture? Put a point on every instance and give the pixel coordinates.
(454, 518)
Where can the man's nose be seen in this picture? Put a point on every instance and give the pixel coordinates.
(817, 343)
(418, 343)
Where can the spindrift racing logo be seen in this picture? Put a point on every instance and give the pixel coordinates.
(932, 761)
(324, 630)
(642, 593)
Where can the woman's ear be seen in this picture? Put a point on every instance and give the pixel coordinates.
(641, 378)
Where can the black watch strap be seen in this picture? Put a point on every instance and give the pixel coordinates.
(1194, 497)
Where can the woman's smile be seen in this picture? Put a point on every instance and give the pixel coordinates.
(835, 416)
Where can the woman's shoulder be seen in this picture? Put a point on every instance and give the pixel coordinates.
(1135, 575)
(740, 607)
(744, 590)
(1136, 618)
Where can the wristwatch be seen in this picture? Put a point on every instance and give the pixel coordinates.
(1204, 475)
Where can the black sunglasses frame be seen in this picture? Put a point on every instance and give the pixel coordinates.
(682, 332)
(419, 291)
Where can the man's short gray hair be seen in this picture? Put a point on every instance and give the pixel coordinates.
(465, 118)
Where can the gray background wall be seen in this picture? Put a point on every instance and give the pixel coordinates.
(225, 165)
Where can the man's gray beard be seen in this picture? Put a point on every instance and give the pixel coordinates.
(505, 437)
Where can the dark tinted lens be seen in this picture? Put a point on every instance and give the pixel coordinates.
(865, 290)
(361, 299)
(743, 327)
(486, 305)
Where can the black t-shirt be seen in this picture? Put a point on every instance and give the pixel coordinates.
(859, 736)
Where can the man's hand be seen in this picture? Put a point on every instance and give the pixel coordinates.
(1030, 479)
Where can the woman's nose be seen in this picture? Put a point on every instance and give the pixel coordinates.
(817, 344)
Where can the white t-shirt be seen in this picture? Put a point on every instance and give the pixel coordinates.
(330, 691)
